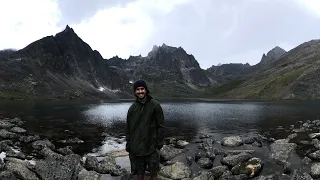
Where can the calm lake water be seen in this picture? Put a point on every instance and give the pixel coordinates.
(89, 120)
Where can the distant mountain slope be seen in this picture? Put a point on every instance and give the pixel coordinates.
(65, 67)
(295, 75)
(60, 66)
(170, 71)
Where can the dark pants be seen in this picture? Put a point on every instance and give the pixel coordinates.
(139, 164)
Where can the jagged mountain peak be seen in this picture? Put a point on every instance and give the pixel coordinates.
(276, 52)
(273, 55)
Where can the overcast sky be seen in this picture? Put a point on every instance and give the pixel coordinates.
(214, 31)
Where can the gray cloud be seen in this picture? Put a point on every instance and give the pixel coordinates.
(230, 31)
(216, 31)
(74, 11)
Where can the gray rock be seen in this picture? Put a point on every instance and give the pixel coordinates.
(66, 150)
(210, 154)
(16, 154)
(2, 165)
(232, 141)
(240, 177)
(56, 166)
(29, 139)
(287, 168)
(315, 170)
(299, 175)
(88, 175)
(168, 152)
(5, 145)
(170, 140)
(18, 130)
(176, 171)
(4, 124)
(257, 142)
(281, 151)
(235, 152)
(249, 140)
(7, 175)
(316, 143)
(189, 160)
(72, 141)
(306, 160)
(91, 163)
(291, 136)
(218, 171)
(17, 121)
(314, 135)
(315, 155)
(306, 125)
(199, 155)
(226, 175)
(203, 136)
(181, 144)
(218, 151)
(20, 169)
(169, 163)
(268, 177)
(299, 130)
(205, 163)
(306, 142)
(108, 165)
(204, 175)
(40, 144)
(251, 168)
(7, 135)
(233, 160)
(208, 144)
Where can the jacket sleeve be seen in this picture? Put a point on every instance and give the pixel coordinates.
(128, 130)
(160, 126)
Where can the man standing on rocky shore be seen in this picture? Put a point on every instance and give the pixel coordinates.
(145, 132)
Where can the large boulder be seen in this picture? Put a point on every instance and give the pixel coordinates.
(251, 168)
(168, 152)
(88, 175)
(281, 151)
(315, 170)
(41, 144)
(218, 171)
(108, 165)
(56, 166)
(205, 163)
(233, 160)
(177, 170)
(204, 175)
(20, 169)
(232, 141)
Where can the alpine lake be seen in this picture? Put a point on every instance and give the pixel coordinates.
(99, 127)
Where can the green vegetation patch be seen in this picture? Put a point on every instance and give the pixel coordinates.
(227, 87)
(279, 82)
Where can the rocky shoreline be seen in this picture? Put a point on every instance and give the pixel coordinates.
(232, 157)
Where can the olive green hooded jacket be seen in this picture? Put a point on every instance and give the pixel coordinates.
(145, 127)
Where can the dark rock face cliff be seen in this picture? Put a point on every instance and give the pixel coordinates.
(228, 72)
(60, 66)
(169, 71)
(272, 56)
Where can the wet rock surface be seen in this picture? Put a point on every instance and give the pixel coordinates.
(247, 156)
(41, 160)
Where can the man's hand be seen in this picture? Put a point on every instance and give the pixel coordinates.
(158, 151)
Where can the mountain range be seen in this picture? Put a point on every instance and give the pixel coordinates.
(63, 66)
